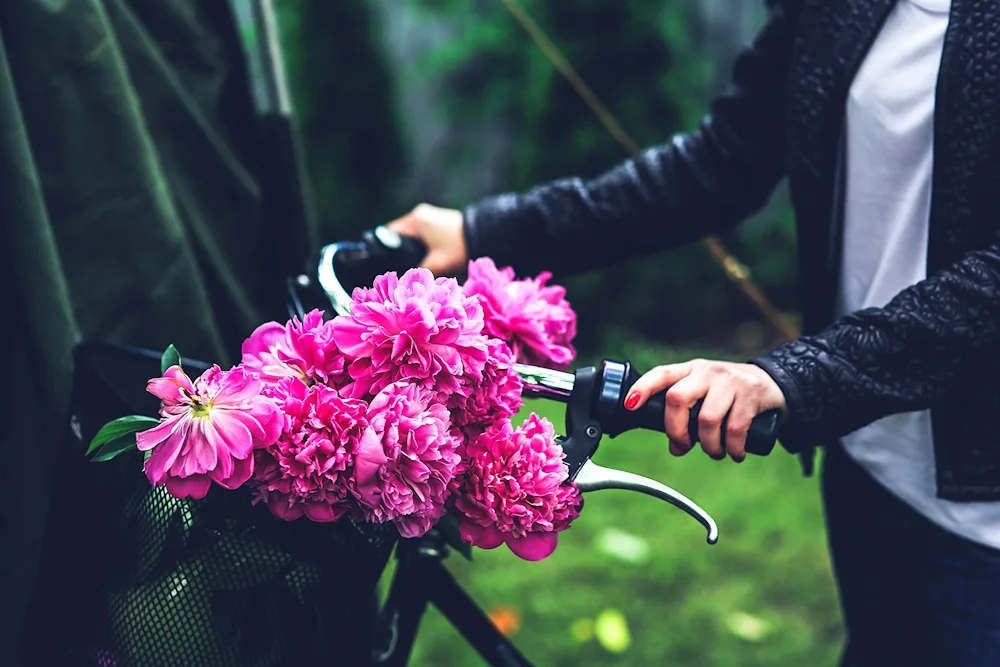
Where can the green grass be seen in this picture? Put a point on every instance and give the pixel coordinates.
(683, 602)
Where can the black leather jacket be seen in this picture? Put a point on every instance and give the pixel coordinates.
(936, 345)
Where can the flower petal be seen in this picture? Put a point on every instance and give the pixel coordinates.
(369, 458)
(236, 387)
(414, 525)
(164, 454)
(229, 433)
(242, 471)
(167, 390)
(178, 376)
(153, 437)
(261, 340)
(533, 546)
(245, 417)
(195, 486)
(199, 454)
(272, 421)
(324, 512)
(263, 420)
(484, 537)
(282, 507)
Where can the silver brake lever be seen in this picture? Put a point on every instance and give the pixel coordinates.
(593, 477)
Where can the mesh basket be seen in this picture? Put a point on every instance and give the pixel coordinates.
(132, 576)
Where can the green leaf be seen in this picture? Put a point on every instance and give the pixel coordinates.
(453, 536)
(171, 357)
(119, 427)
(110, 450)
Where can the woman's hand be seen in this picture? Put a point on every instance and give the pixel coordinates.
(441, 231)
(741, 391)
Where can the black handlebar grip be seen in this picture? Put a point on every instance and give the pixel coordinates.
(650, 415)
(379, 251)
(398, 252)
(761, 437)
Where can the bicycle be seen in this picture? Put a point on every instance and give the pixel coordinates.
(227, 584)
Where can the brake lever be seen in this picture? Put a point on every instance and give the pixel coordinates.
(581, 391)
(593, 477)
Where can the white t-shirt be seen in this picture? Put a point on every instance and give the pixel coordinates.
(889, 162)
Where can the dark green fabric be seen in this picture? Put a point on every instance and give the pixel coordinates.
(129, 214)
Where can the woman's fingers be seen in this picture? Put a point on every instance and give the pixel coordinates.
(733, 395)
(741, 414)
(654, 381)
(679, 400)
(441, 231)
(718, 400)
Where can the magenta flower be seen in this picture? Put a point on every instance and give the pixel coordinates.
(415, 328)
(209, 430)
(533, 318)
(308, 470)
(405, 475)
(303, 349)
(497, 397)
(514, 490)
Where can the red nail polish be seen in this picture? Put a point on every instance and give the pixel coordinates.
(632, 401)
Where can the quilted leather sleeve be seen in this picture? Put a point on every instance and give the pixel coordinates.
(697, 184)
(917, 350)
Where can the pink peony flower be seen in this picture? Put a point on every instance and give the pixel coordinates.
(405, 475)
(210, 428)
(308, 470)
(497, 397)
(513, 491)
(533, 318)
(414, 328)
(303, 349)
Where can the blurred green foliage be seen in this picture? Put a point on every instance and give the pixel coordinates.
(343, 98)
(647, 61)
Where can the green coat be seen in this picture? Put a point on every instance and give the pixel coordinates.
(129, 213)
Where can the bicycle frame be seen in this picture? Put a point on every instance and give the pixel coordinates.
(421, 579)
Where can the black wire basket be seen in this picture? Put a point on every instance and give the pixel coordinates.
(131, 576)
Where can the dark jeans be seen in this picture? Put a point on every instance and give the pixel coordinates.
(912, 594)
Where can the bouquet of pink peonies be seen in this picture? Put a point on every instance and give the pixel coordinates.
(397, 412)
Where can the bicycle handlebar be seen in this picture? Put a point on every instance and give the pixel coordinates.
(594, 395)
(761, 436)
(344, 266)
(607, 403)
(594, 398)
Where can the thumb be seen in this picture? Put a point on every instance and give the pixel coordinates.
(405, 225)
(437, 263)
(656, 380)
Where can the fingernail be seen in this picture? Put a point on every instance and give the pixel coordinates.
(632, 400)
